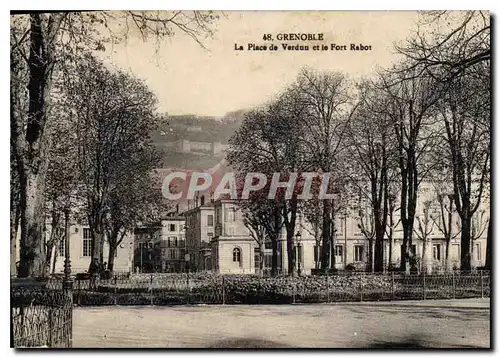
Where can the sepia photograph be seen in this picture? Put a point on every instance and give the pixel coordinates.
(250, 179)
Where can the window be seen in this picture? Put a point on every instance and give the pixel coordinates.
(300, 254)
(226, 214)
(316, 252)
(173, 254)
(339, 253)
(176, 242)
(61, 248)
(477, 249)
(268, 245)
(210, 220)
(217, 215)
(256, 254)
(268, 260)
(172, 241)
(87, 242)
(413, 250)
(436, 252)
(237, 255)
(171, 227)
(340, 230)
(358, 253)
(357, 229)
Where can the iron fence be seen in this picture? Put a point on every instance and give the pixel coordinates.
(206, 288)
(41, 316)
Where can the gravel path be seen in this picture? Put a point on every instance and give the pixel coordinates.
(460, 323)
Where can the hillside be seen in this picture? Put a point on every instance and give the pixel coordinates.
(195, 142)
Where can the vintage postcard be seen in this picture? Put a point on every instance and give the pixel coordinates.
(250, 179)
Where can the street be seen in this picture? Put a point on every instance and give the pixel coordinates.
(437, 324)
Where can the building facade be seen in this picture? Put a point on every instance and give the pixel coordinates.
(232, 247)
(218, 240)
(199, 231)
(81, 251)
(160, 246)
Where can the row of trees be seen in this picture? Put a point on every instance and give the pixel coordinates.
(427, 119)
(80, 147)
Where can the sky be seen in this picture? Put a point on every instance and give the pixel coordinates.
(188, 79)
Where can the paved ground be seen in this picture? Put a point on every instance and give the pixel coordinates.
(447, 323)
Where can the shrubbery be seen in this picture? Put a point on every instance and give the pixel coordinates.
(210, 288)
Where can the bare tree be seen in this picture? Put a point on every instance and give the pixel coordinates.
(463, 110)
(43, 41)
(254, 222)
(371, 144)
(133, 199)
(253, 148)
(327, 101)
(366, 224)
(113, 123)
(409, 109)
(459, 59)
(444, 220)
(312, 211)
(445, 55)
(392, 224)
(479, 223)
(423, 232)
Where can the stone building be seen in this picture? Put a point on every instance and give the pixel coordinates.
(160, 246)
(232, 246)
(81, 251)
(199, 230)
(218, 240)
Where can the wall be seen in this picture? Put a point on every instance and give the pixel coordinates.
(225, 253)
(80, 263)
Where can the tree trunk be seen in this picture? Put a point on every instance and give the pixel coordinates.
(290, 234)
(404, 264)
(378, 265)
(317, 240)
(111, 257)
(325, 247)
(34, 163)
(333, 237)
(97, 238)
(13, 239)
(101, 249)
(391, 247)
(465, 244)
(426, 265)
(391, 235)
(447, 263)
(261, 258)
(489, 247)
(56, 253)
(49, 247)
(31, 253)
(274, 257)
(407, 242)
(372, 257)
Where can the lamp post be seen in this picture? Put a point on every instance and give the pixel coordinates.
(67, 282)
(141, 246)
(298, 238)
